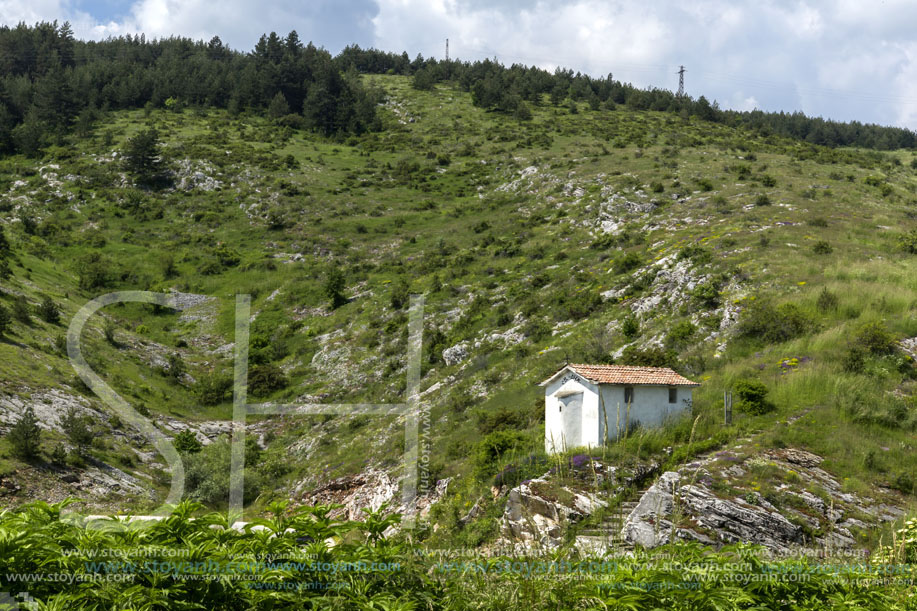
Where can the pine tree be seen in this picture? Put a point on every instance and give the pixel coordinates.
(278, 107)
(77, 430)
(4, 244)
(141, 157)
(25, 435)
(334, 287)
(5, 320)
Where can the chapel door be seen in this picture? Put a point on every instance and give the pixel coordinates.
(571, 408)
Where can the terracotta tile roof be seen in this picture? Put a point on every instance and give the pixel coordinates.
(624, 374)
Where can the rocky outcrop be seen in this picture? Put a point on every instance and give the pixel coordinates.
(370, 490)
(669, 502)
(455, 354)
(685, 504)
(539, 511)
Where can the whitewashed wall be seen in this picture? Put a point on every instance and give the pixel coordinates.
(582, 423)
(587, 414)
(650, 406)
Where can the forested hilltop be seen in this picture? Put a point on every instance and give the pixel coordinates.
(53, 84)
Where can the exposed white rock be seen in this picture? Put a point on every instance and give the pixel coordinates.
(456, 354)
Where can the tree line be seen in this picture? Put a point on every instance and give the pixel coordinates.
(52, 85)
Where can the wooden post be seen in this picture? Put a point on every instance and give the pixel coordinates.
(727, 407)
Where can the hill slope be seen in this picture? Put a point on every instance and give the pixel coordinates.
(590, 236)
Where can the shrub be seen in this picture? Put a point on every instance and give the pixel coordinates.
(537, 329)
(265, 379)
(25, 435)
(6, 320)
(904, 482)
(108, 330)
(652, 356)
(753, 397)
(77, 429)
(186, 442)
(21, 311)
(48, 311)
(493, 447)
(762, 200)
(207, 474)
(59, 455)
(212, 388)
(4, 243)
(175, 367)
(141, 156)
(334, 287)
(707, 294)
(94, 271)
(697, 254)
(908, 242)
(628, 262)
(875, 339)
(582, 304)
(763, 321)
(822, 247)
(680, 333)
(827, 301)
(400, 294)
(630, 327)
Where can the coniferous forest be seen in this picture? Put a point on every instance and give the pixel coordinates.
(53, 84)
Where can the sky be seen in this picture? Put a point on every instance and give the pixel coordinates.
(839, 59)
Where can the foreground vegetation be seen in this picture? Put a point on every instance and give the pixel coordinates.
(303, 560)
(545, 218)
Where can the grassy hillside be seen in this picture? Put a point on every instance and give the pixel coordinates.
(569, 236)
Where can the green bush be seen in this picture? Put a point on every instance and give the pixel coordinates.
(537, 329)
(334, 287)
(697, 254)
(651, 356)
(207, 474)
(400, 294)
(908, 242)
(265, 379)
(826, 302)
(630, 327)
(707, 294)
(493, 448)
(752, 396)
(48, 311)
(25, 435)
(628, 262)
(762, 321)
(94, 271)
(186, 442)
(822, 247)
(21, 311)
(212, 388)
(78, 430)
(680, 333)
(875, 339)
(6, 320)
(762, 200)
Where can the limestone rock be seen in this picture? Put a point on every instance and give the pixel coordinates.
(456, 354)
